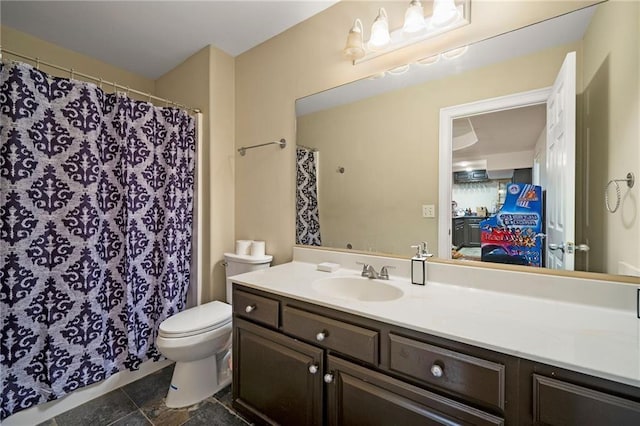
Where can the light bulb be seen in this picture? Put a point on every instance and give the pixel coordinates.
(444, 13)
(354, 48)
(380, 31)
(414, 18)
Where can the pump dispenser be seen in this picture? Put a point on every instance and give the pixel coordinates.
(419, 264)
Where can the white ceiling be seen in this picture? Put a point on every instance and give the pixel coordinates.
(510, 130)
(151, 37)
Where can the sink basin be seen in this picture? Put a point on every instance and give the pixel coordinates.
(357, 288)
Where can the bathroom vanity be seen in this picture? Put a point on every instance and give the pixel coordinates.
(302, 357)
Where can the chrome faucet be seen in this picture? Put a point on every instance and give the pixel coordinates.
(369, 271)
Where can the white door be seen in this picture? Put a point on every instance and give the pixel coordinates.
(561, 167)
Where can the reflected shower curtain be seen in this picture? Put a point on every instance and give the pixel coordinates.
(307, 216)
(96, 197)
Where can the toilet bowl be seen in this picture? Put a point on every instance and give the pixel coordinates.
(198, 339)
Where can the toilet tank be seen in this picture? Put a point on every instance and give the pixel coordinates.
(239, 264)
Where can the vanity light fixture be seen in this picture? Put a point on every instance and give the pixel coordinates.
(446, 16)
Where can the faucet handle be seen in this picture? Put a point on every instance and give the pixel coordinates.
(425, 250)
(365, 268)
(384, 272)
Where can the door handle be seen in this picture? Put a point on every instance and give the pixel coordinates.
(569, 247)
(553, 246)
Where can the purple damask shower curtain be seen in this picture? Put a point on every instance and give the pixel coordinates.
(307, 211)
(96, 213)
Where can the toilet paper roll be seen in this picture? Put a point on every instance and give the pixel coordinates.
(258, 248)
(243, 247)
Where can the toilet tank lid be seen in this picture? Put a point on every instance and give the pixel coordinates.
(197, 319)
(245, 258)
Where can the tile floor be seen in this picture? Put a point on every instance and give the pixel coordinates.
(141, 403)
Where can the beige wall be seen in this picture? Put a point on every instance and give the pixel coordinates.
(205, 80)
(307, 59)
(31, 46)
(388, 145)
(610, 106)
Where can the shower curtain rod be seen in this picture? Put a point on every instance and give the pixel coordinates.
(308, 147)
(115, 86)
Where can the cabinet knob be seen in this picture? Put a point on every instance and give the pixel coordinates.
(313, 368)
(328, 378)
(437, 370)
(321, 336)
(250, 308)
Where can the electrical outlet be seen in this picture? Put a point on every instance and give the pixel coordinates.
(428, 210)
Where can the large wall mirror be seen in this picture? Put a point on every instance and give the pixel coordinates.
(370, 156)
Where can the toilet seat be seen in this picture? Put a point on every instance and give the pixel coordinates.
(197, 320)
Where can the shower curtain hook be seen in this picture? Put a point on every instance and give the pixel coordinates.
(100, 84)
(71, 73)
(149, 100)
(126, 91)
(37, 63)
(115, 88)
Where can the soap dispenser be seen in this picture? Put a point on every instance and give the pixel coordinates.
(419, 264)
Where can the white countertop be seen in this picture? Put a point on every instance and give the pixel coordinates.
(594, 339)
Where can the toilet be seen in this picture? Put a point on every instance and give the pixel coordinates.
(198, 339)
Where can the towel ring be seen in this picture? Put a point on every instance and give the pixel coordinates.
(631, 179)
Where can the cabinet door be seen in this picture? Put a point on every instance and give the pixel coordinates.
(559, 403)
(473, 232)
(276, 379)
(458, 232)
(359, 396)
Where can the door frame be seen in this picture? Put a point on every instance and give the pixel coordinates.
(445, 179)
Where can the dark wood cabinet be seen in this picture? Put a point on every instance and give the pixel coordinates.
(361, 396)
(276, 379)
(472, 229)
(557, 402)
(466, 232)
(458, 232)
(297, 363)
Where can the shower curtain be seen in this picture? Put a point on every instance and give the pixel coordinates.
(307, 216)
(96, 213)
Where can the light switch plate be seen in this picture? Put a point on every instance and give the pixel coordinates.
(428, 210)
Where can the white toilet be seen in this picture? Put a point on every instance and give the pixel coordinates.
(198, 339)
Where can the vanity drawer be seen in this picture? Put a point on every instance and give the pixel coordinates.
(551, 399)
(257, 308)
(475, 378)
(358, 342)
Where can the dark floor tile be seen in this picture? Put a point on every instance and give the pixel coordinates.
(50, 422)
(213, 414)
(151, 390)
(134, 419)
(100, 411)
(224, 396)
(160, 415)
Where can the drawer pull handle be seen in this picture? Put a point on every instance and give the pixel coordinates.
(328, 378)
(437, 370)
(250, 308)
(313, 368)
(321, 336)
